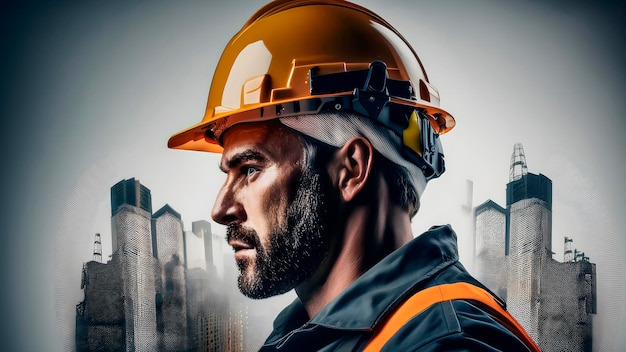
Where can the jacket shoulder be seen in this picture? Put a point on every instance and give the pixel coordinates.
(458, 325)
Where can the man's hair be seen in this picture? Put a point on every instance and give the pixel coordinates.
(401, 190)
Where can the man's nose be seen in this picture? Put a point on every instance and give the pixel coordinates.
(226, 209)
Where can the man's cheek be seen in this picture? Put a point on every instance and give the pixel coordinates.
(274, 208)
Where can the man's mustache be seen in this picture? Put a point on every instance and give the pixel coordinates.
(236, 232)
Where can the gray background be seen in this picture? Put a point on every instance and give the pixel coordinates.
(92, 90)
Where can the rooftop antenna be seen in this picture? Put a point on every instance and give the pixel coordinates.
(568, 255)
(97, 248)
(518, 163)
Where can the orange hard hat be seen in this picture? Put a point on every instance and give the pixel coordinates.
(304, 56)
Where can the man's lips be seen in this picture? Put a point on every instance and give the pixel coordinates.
(243, 241)
(239, 246)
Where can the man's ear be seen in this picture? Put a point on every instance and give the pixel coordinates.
(354, 163)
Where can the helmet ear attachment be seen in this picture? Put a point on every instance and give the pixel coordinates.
(374, 99)
(422, 145)
(381, 99)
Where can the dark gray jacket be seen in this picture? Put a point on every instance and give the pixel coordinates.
(347, 323)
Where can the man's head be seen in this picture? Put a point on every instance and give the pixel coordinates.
(284, 195)
(312, 104)
(275, 202)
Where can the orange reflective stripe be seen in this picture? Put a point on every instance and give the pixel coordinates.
(446, 292)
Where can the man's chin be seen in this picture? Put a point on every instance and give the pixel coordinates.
(252, 289)
(259, 293)
(252, 286)
(248, 280)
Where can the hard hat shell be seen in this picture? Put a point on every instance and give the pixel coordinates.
(270, 69)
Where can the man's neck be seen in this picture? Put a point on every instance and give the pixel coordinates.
(369, 235)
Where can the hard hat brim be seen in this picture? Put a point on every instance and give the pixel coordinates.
(194, 138)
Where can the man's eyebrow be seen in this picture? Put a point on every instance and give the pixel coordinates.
(238, 158)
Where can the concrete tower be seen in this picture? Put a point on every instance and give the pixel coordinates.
(553, 301)
(168, 247)
(529, 207)
(131, 208)
(491, 247)
(161, 290)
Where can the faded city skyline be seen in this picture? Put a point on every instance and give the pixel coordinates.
(93, 90)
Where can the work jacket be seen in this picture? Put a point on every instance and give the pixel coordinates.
(349, 321)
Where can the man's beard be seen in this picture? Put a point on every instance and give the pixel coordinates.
(295, 250)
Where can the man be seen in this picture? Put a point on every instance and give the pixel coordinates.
(329, 131)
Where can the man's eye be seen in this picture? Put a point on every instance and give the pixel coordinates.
(250, 171)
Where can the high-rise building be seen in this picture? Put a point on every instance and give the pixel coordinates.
(237, 308)
(161, 290)
(212, 246)
(131, 222)
(219, 314)
(491, 247)
(198, 286)
(100, 317)
(168, 247)
(207, 303)
(554, 301)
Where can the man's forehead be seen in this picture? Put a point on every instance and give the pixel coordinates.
(247, 132)
(244, 136)
(266, 139)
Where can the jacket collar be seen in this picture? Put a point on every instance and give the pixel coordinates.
(378, 290)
